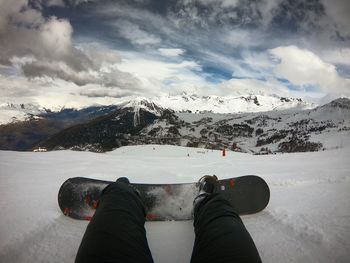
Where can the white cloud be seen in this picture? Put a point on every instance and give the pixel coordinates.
(159, 76)
(302, 67)
(222, 3)
(135, 34)
(57, 93)
(56, 37)
(99, 55)
(25, 32)
(171, 52)
(43, 47)
(237, 87)
(240, 37)
(337, 56)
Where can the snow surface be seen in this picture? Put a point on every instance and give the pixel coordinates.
(307, 220)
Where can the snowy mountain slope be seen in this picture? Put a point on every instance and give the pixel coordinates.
(103, 133)
(307, 219)
(227, 104)
(273, 131)
(143, 122)
(12, 112)
(24, 135)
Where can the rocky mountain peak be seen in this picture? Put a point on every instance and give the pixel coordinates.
(145, 104)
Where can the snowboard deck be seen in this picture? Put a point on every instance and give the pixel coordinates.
(78, 197)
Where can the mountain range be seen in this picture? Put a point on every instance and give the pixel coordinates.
(256, 124)
(11, 112)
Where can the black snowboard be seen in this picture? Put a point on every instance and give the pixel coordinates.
(78, 197)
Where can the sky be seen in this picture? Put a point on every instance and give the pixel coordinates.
(76, 53)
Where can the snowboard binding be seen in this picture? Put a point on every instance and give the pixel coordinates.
(206, 186)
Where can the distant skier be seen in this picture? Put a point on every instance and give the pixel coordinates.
(116, 232)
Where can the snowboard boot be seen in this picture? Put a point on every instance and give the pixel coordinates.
(125, 180)
(206, 186)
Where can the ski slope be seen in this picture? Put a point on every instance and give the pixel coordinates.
(307, 220)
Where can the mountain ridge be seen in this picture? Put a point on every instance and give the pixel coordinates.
(258, 133)
(12, 112)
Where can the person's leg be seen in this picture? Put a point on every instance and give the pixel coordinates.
(116, 232)
(220, 233)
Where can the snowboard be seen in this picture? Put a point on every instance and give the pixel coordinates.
(78, 197)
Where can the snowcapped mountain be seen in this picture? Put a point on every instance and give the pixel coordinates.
(143, 103)
(229, 104)
(289, 130)
(10, 112)
(286, 125)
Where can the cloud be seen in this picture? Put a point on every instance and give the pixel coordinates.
(268, 9)
(57, 93)
(171, 52)
(240, 37)
(159, 76)
(43, 47)
(55, 36)
(109, 76)
(337, 56)
(237, 87)
(92, 91)
(55, 3)
(135, 34)
(25, 32)
(302, 67)
(15, 88)
(222, 3)
(173, 46)
(338, 14)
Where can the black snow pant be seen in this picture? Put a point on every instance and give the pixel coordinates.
(116, 232)
(220, 234)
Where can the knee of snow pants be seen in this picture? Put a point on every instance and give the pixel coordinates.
(116, 232)
(220, 234)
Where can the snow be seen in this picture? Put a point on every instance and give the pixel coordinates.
(226, 104)
(18, 112)
(307, 220)
(11, 112)
(8, 116)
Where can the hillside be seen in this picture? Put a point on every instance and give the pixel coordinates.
(25, 135)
